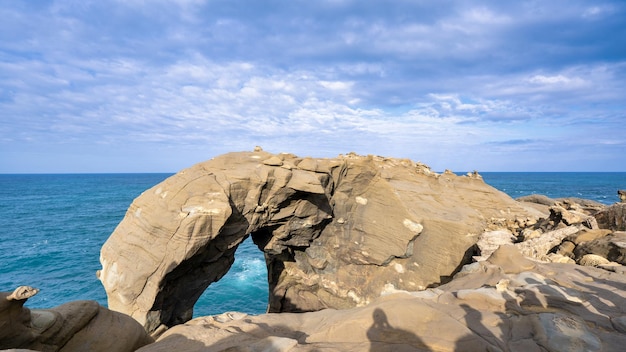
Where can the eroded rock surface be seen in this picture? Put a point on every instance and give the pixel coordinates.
(506, 303)
(337, 233)
(74, 326)
(613, 217)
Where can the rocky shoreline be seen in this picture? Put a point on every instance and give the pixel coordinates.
(363, 253)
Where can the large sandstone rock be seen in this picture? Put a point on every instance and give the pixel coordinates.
(507, 303)
(613, 217)
(74, 326)
(612, 247)
(337, 233)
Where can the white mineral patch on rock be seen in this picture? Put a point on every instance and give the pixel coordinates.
(197, 209)
(159, 192)
(413, 226)
(398, 267)
(361, 200)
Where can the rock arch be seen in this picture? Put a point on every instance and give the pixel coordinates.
(336, 233)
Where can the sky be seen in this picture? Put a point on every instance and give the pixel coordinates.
(157, 86)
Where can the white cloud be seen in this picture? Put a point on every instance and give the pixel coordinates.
(558, 79)
(395, 78)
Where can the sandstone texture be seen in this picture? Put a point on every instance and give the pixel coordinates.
(336, 233)
(74, 326)
(613, 217)
(506, 303)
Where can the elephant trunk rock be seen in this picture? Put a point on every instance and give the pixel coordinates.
(337, 233)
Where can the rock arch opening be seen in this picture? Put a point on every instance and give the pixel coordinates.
(244, 288)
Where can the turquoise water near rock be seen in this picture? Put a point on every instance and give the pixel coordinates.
(52, 228)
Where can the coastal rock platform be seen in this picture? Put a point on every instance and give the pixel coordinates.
(507, 303)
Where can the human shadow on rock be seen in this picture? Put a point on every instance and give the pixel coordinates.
(482, 338)
(384, 337)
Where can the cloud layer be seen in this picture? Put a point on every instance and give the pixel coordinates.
(92, 86)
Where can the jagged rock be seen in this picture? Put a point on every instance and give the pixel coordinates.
(538, 248)
(75, 326)
(612, 247)
(543, 203)
(530, 233)
(612, 217)
(489, 241)
(566, 216)
(622, 195)
(586, 206)
(507, 303)
(336, 232)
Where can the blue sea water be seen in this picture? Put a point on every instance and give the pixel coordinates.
(52, 228)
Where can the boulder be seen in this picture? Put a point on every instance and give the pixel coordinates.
(506, 303)
(74, 326)
(337, 233)
(537, 199)
(612, 217)
(612, 247)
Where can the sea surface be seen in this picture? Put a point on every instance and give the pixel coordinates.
(52, 228)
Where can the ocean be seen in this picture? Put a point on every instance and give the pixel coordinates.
(54, 225)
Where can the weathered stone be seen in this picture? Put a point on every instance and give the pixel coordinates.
(559, 258)
(530, 233)
(612, 217)
(539, 247)
(588, 235)
(591, 223)
(489, 241)
(537, 199)
(75, 326)
(612, 247)
(592, 260)
(527, 307)
(336, 232)
(566, 249)
(586, 206)
(568, 217)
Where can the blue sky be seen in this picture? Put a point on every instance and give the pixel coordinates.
(156, 86)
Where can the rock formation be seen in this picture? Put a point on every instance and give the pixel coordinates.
(506, 303)
(336, 233)
(75, 326)
(613, 217)
(363, 253)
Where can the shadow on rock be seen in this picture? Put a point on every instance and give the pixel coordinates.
(384, 337)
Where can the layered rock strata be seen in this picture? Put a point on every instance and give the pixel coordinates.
(336, 233)
(506, 303)
(74, 326)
